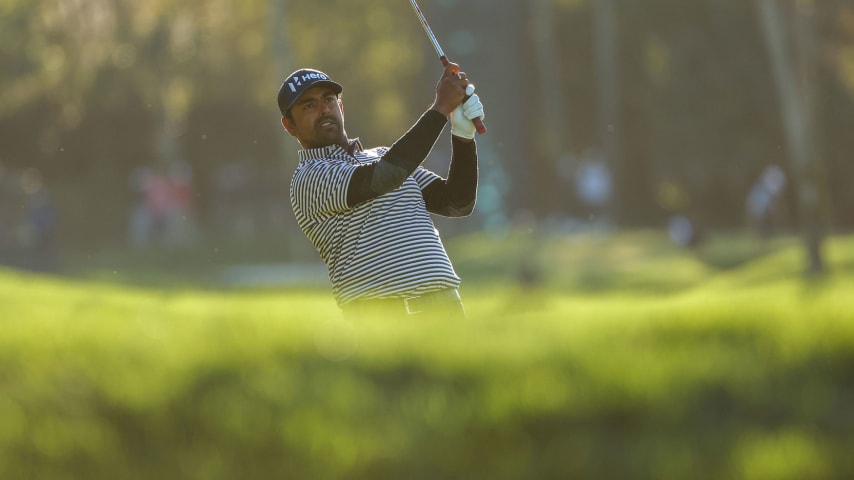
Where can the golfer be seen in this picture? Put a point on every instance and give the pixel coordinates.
(367, 211)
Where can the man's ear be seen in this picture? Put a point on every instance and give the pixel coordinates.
(288, 126)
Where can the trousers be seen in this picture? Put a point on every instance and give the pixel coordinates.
(446, 302)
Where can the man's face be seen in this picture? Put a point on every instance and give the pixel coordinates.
(317, 119)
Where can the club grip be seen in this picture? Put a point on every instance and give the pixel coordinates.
(478, 124)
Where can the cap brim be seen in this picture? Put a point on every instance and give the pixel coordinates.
(335, 87)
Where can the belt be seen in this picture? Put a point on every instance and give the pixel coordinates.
(442, 301)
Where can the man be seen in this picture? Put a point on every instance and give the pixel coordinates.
(367, 212)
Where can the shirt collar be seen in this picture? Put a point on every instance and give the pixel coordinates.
(331, 151)
(355, 146)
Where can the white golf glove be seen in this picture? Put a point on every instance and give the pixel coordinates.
(462, 116)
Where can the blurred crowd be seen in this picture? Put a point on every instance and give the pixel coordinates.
(27, 221)
(242, 201)
(245, 201)
(249, 200)
(162, 207)
(766, 211)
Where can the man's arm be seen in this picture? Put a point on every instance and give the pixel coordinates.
(408, 152)
(456, 195)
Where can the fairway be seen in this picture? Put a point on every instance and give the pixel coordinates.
(605, 367)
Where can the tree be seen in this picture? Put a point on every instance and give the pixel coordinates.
(790, 40)
(554, 132)
(605, 44)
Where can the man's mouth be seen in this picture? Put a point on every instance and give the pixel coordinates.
(327, 123)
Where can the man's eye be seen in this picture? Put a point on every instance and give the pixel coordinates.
(308, 106)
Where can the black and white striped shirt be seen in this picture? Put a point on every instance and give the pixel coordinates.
(386, 247)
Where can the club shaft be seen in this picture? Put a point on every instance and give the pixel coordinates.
(478, 122)
(429, 31)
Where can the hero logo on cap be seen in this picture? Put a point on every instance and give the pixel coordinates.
(297, 80)
(300, 81)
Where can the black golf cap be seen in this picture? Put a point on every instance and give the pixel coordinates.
(300, 81)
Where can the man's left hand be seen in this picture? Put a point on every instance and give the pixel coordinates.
(462, 116)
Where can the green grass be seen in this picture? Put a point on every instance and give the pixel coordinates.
(619, 357)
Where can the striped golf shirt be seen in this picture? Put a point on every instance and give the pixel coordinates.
(386, 247)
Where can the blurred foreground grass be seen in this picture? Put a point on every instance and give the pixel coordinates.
(616, 357)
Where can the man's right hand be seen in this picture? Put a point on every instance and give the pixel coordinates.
(451, 90)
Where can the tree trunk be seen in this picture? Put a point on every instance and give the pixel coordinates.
(283, 61)
(298, 245)
(547, 61)
(553, 134)
(793, 75)
(607, 79)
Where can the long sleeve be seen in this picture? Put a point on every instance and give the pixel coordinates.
(456, 195)
(404, 156)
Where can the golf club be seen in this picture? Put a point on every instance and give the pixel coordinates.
(478, 122)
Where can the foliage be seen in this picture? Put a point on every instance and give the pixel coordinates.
(746, 375)
(92, 89)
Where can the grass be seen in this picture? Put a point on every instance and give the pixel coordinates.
(723, 365)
